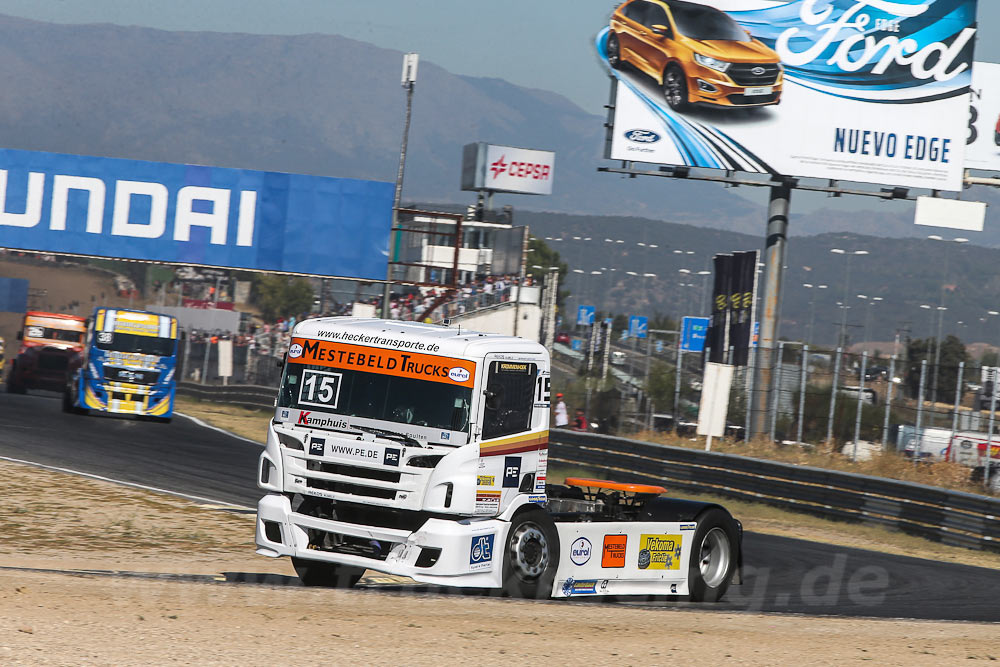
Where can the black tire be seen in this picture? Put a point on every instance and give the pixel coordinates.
(329, 575)
(614, 51)
(714, 556)
(13, 386)
(530, 556)
(675, 90)
(67, 402)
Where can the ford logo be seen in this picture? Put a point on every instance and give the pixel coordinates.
(758, 71)
(642, 136)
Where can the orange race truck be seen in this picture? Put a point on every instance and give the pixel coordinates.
(49, 341)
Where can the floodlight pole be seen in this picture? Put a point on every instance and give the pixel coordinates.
(408, 81)
(774, 260)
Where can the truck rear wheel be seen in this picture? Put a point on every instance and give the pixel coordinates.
(330, 575)
(714, 556)
(530, 556)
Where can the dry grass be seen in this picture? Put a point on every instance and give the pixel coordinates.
(244, 422)
(886, 464)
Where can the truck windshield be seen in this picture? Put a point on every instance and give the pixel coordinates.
(126, 342)
(374, 396)
(49, 333)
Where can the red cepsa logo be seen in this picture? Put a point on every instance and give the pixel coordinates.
(533, 170)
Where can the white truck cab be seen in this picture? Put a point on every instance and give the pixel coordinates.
(420, 450)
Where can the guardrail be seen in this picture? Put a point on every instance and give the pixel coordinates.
(951, 517)
(245, 395)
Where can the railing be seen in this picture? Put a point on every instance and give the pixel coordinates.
(951, 517)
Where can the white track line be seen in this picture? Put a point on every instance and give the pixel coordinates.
(216, 428)
(133, 485)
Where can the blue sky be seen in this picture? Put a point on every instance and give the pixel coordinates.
(536, 43)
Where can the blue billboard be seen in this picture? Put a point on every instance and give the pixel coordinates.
(585, 315)
(638, 326)
(185, 214)
(693, 333)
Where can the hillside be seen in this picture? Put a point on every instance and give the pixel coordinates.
(331, 105)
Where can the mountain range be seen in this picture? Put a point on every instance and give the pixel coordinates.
(331, 105)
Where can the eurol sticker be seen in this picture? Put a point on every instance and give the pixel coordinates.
(459, 374)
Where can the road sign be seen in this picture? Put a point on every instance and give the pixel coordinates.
(638, 326)
(659, 346)
(576, 344)
(693, 332)
(585, 315)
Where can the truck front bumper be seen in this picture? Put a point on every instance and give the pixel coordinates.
(460, 552)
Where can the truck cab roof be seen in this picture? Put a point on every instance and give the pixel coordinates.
(434, 339)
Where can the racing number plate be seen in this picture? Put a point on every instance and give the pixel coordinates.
(762, 90)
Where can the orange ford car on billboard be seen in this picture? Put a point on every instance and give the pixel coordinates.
(698, 54)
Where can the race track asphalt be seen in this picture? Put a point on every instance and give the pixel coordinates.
(781, 574)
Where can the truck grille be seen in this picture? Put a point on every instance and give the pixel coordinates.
(351, 489)
(353, 471)
(743, 100)
(743, 74)
(130, 375)
(49, 361)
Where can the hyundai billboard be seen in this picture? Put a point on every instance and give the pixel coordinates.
(185, 214)
(983, 149)
(860, 90)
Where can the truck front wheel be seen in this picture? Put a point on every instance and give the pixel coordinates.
(714, 557)
(530, 556)
(330, 575)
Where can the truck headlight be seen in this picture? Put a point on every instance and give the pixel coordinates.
(711, 63)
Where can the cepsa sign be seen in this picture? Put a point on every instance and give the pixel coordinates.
(414, 365)
(507, 169)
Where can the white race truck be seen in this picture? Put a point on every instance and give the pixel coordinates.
(421, 450)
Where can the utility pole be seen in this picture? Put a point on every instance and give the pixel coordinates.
(409, 80)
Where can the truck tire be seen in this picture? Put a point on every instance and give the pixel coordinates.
(530, 556)
(329, 575)
(714, 556)
(13, 385)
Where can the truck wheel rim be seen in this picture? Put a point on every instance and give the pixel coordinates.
(529, 551)
(714, 558)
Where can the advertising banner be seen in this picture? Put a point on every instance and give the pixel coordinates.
(693, 332)
(983, 149)
(186, 214)
(507, 169)
(872, 91)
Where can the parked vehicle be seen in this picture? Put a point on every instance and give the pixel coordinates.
(696, 53)
(422, 451)
(49, 341)
(127, 366)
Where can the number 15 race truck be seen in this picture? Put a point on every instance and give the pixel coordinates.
(421, 451)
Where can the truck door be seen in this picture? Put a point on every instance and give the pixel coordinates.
(508, 396)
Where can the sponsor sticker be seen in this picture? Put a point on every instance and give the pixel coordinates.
(541, 470)
(673, 589)
(613, 551)
(397, 363)
(580, 550)
(459, 374)
(573, 587)
(295, 351)
(688, 526)
(481, 552)
(391, 457)
(487, 502)
(317, 446)
(538, 499)
(486, 480)
(660, 552)
(511, 471)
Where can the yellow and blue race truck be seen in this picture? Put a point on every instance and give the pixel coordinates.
(127, 365)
